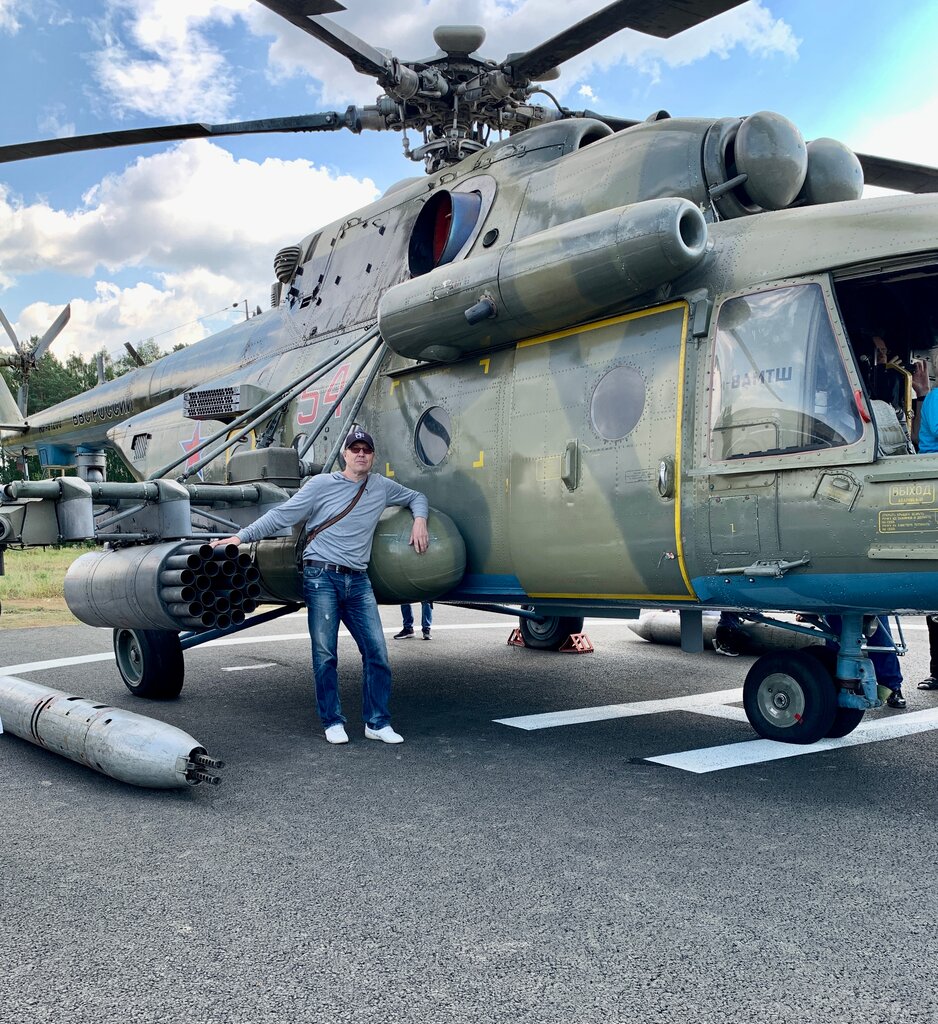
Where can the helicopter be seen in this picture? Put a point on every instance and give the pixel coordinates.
(632, 365)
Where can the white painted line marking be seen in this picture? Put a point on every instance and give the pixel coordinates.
(704, 702)
(273, 638)
(732, 714)
(39, 666)
(387, 630)
(245, 668)
(734, 755)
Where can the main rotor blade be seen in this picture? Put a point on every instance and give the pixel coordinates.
(315, 6)
(7, 326)
(328, 121)
(615, 123)
(662, 18)
(54, 331)
(898, 174)
(364, 57)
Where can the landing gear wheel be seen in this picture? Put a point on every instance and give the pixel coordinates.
(845, 719)
(549, 634)
(790, 697)
(150, 662)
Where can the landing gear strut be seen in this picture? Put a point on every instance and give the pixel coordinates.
(150, 662)
(845, 719)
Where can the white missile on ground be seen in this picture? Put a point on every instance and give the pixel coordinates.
(124, 745)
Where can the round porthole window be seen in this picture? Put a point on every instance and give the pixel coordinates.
(617, 403)
(433, 435)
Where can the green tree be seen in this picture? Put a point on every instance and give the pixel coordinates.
(53, 381)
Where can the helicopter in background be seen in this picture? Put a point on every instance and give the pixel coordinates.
(628, 363)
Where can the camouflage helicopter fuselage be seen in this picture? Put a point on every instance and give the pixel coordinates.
(586, 459)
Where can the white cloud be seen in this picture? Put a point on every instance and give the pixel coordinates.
(587, 92)
(183, 219)
(908, 135)
(155, 59)
(904, 136)
(8, 22)
(52, 123)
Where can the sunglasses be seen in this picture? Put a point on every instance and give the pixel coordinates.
(358, 449)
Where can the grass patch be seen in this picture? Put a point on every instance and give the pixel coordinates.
(32, 587)
(37, 573)
(37, 612)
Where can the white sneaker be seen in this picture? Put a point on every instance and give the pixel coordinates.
(336, 734)
(386, 734)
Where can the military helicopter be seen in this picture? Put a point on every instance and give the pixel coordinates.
(631, 364)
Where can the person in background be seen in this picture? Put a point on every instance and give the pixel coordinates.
(728, 638)
(928, 444)
(426, 620)
(930, 682)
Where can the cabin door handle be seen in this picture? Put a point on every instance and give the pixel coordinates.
(570, 473)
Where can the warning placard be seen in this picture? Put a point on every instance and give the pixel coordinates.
(922, 520)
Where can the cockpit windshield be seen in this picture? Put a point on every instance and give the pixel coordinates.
(779, 382)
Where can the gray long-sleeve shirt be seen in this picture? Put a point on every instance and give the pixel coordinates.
(347, 542)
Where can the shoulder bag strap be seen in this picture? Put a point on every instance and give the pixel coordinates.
(316, 530)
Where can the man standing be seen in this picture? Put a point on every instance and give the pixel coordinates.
(341, 511)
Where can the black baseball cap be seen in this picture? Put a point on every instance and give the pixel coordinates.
(359, 436)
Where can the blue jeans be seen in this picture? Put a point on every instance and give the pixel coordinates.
(331, 596)
(426, 615)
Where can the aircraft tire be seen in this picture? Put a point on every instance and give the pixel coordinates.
(790, 697)
(150, 662)
(845, 719)
(550, 634)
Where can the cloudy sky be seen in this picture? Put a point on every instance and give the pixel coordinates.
(146, 241)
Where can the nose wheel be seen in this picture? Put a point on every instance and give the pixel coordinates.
(790, 697)
(150, 662)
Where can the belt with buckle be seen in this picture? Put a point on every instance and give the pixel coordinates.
(331, 567)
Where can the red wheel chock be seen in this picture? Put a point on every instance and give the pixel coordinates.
(576, 643)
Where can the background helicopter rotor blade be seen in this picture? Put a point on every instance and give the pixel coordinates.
(897, 174)
(364, 57)
(51, 334)
(662, 18)
(7, 326)
(327, 121)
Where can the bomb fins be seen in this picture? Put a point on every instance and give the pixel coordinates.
(126, 746)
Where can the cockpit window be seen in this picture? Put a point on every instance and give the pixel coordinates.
(779, 382)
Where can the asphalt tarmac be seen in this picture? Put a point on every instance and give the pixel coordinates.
(478, 872)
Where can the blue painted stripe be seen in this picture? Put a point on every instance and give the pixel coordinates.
(832, 592)
(487, 587)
